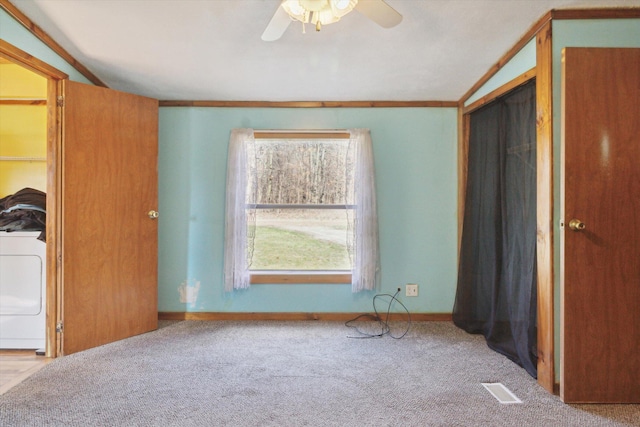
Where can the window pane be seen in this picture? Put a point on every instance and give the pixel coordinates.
(308, 172)
(301, 172)
(301, 239)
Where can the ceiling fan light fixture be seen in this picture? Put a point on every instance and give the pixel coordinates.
(294, 9)
(323, 12)
(318, 12)
(346, 5)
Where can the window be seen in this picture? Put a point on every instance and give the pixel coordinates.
(302, 203)
(301, 209)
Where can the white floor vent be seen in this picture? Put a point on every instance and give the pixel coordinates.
(500, 392)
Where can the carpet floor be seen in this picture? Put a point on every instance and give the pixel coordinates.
(200, 373)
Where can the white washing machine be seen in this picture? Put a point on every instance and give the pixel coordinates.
(23, 275)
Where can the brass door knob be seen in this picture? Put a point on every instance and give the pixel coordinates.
(153, 214)
(576, 225)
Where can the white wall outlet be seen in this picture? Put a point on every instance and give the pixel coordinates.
(411, 290)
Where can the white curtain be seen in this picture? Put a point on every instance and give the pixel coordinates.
(364, 247)
(238, 219)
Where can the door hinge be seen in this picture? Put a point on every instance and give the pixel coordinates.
(60, 101)
(59, 327)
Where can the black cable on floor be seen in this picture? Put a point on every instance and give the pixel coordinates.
(385, 329)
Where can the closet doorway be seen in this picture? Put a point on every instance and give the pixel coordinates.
(102, 150)
(497, 293)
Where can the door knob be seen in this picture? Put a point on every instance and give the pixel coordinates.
(576, 225)
(153, 214)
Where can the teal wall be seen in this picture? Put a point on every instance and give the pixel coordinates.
(577, 33)
(521, 62)
(12, 32)
(415, 157)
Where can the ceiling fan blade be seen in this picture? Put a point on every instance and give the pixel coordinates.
(379, 12)
(277, 26)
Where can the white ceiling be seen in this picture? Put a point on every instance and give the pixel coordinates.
(212, 50)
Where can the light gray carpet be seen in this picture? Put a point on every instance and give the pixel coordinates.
(291, 374)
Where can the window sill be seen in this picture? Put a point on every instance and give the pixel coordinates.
(300, 277)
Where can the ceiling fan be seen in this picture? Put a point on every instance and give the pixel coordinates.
(323, 12)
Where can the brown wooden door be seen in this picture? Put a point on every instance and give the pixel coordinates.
(109, 243)
(600, 304)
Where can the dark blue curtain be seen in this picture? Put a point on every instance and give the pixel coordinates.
(496, 292)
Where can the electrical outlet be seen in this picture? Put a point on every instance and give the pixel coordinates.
(411, 290)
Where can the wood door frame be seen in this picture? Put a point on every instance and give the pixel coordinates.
(544, 209)
(54, 186)
(541, 33)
